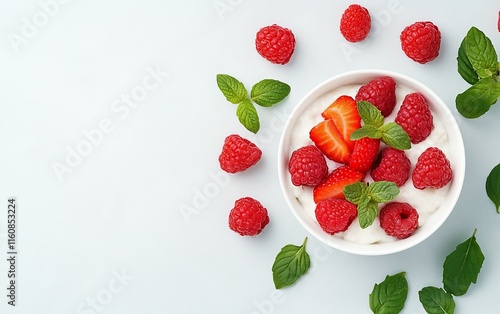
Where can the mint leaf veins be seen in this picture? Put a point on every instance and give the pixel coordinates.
(390, 295)
(493, 186)
(290, 264)
(436, 300)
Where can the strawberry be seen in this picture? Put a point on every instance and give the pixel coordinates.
(333, 185)
(344, 113)
(329, 141)
(364, 153)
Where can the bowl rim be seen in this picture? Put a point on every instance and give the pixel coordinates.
(438, 217)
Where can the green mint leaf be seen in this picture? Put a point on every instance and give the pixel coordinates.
(481, 53)
(234, 91)
(367, 212)
(394, 136)
(269, 92)
(290, 264)
(354, 192)
(462, 266)
(383, 191)
(465, 68)
(436, 301)
(247, 114)
(493, 186)
(366, 130)
(389, 296)
(477, 99)
(370, 114)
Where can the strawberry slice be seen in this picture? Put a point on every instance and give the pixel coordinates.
(333, 185)
(364, 153)
(329, 141)
(344, 113)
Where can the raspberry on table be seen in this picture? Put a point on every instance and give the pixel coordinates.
(307, 166)
(238, 154)
(248, 217)
(392, 165)
(275, 43)
(398, 219)
(421, 41)
(355, 23)
(433, 169)
(380, 92)
(335, 215)
(415, 117)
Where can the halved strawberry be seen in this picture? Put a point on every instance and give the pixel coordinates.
(329, 141)
(364, 153)
(333, 185)
(344, 113)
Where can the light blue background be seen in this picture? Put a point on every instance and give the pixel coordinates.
(108, 235)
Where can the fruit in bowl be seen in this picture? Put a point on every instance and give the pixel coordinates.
(393, 151)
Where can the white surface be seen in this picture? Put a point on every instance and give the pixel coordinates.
(118, 210)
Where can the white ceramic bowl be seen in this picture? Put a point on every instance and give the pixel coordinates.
(322, 94)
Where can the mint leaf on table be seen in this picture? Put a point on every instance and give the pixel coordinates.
(493, 186)
(389, 296)
(481, 53)
(390, 133)
(465, 68)
(290, 264)
(234, 91)
(436, 301)
(461, 268)
(265, 93)
(367, 198)
(477, 99)
(269, 92)
(247, 114)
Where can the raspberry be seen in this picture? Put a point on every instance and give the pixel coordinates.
(355, 23)
(415, 117)
(433, 169)
(248, 217)
(307, 166)
(275, 43)
(392, 165)
(238, 154)
(421, 41)
(335, 214)
(399, 220)
(380, 92)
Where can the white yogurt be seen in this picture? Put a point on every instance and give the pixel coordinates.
(424, 201)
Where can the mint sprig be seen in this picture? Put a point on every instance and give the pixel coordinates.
(367, 198)
(390, 295)
(478, 65)
(265, 93)
(290, 264)
(390, 133)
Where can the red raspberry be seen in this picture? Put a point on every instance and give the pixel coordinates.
(248, 217)
(415, 117)
(238, 154)
(399, 220)
(433, 169)
(275, 43)
(335, 214)
(392, 165)
(355, 23)
(380, 92)
(307, 166)
(421, 41)
(365, 151)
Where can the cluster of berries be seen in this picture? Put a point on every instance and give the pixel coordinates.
(420, 41)
(331, 139)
